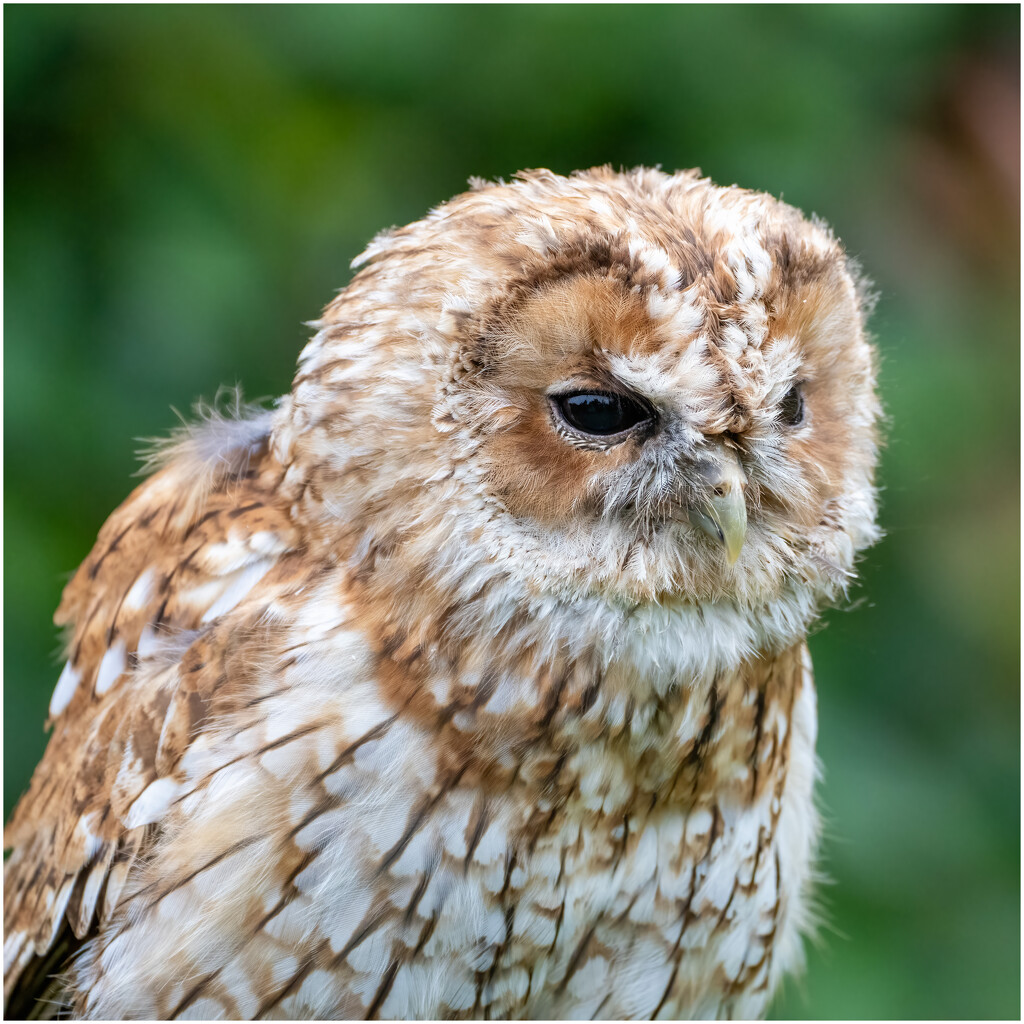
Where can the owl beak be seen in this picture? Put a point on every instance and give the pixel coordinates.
(722, 510)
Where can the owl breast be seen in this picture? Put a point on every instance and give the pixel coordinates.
(354, 862)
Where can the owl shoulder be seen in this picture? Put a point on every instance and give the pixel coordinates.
(148, 618)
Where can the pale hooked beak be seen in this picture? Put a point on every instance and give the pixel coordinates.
(722, 511)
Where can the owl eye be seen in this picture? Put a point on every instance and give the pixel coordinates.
(601, 413)
(791, 411)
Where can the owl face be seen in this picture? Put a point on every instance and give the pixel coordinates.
(630, 391)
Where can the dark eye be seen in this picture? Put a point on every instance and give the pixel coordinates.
(601, 413)
(791, 412)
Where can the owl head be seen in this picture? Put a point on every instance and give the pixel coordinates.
(628, 410)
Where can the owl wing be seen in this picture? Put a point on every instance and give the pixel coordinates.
(187, 547)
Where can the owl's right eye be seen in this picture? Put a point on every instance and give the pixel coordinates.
(601, 413)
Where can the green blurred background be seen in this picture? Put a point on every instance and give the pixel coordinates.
(185, 186)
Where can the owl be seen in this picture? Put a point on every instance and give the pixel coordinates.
(471, 680)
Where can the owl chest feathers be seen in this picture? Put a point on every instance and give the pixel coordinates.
(375, 836)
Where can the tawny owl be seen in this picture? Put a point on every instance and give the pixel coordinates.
(472, 680)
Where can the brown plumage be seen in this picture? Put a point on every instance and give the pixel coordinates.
(472, 680)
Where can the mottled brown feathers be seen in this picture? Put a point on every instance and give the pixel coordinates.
(129, 717)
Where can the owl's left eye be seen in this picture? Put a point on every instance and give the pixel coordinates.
(601, 413)
(791, 411)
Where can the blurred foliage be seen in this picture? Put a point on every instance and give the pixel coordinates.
(186, 184)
